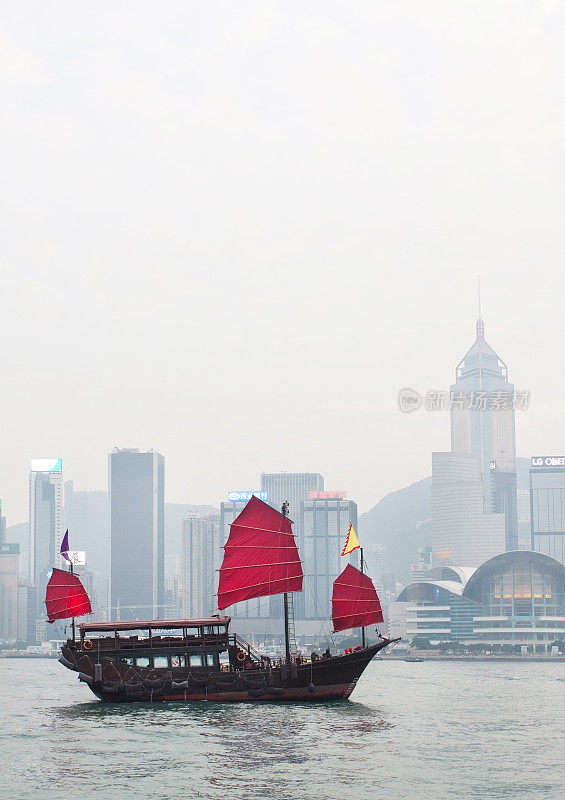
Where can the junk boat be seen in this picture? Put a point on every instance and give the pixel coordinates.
(199, 659)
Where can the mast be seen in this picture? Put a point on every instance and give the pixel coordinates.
(362, 627)
(284, 512)
(73, 619)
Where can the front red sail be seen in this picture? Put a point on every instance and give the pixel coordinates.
(355, 602)
(65, 596)
(260, 556)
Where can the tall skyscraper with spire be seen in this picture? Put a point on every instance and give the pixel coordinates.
(474, 498)
(483, 425)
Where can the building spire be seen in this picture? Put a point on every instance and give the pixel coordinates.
(480, 323)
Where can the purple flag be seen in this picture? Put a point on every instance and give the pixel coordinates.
(65, 546)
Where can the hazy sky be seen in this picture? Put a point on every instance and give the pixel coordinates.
(233, 231)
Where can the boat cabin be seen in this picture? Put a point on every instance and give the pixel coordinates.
(168, 644)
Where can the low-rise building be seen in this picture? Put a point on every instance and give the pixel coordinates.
(515, 598)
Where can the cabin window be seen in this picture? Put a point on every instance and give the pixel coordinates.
(142, 661)
(209, 659)
(126, 660)
(160, 662)
(178, 661)
(196, 660)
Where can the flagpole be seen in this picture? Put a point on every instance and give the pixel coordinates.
(362, 627)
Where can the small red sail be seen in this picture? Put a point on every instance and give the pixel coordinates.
(65, 596)
(260, 556)
(355, 602)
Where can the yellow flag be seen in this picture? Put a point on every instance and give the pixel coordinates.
(352, 542)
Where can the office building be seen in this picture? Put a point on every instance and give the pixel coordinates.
(45, 518)
(462, 533)
(137, 534)
(201, 558)
(9, 558)
(483, 425)
(324, 524)
(87, 517)
(291, 488)
(514, 599)
(28, 610)
(547, 506)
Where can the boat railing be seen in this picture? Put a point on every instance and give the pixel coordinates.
(157, 642)
(237, 641)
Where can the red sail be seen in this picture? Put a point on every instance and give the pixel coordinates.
(65, 596)
(355, 602)
(260, 556)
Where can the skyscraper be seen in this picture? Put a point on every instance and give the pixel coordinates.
(201, 557)
(483, 425)
(294, 488)
(9, 555)
(137, 534)
(463, 535)
(291, 487)
(324, 523)
(547, 503)
(45, 518)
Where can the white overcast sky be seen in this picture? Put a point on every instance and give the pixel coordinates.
(232, 231)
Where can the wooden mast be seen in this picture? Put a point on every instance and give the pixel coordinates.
(284, 512)
(362, 627)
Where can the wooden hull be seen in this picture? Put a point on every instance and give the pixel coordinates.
(326, 679)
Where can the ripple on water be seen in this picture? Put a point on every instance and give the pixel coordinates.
(473, 731)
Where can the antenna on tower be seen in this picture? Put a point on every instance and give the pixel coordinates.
(480, 323)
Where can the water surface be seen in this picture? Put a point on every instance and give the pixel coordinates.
(468, 731)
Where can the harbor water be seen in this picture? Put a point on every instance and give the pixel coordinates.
(471, 731)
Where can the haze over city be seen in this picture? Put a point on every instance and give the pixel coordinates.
(234, 233)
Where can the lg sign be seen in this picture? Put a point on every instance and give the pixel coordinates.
(548, 461)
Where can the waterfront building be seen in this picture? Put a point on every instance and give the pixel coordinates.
(515, 598)
(137, 534)
(462, 533)
(322, 533)
(9, 563)
(483, 425)
(45, 518)
(547, 506)
(201, 558)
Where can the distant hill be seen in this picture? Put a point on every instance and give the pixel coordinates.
(400, 523)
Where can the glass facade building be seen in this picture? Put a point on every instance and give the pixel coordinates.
(515, 598)
(483, 425)
(137, 534)
(547, 506)
(322, 535)
(9, 558)
(292, 488)
(201, 558)
(45, 518)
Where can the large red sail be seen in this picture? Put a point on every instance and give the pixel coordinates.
(65, 596)
(260, 556)
(355, 602)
